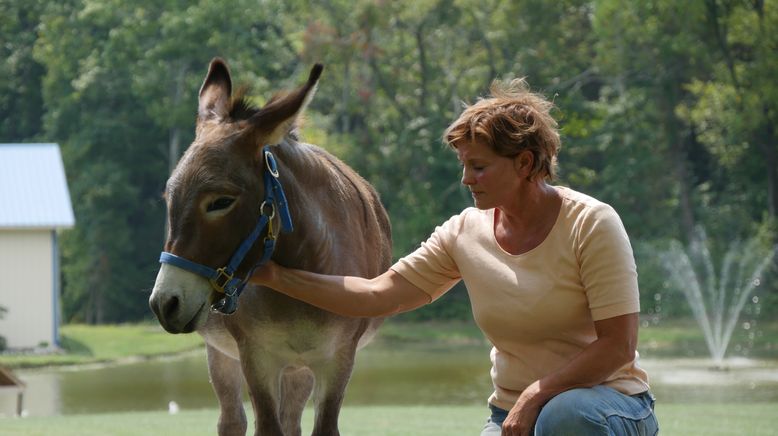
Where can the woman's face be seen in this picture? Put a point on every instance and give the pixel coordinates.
(492, 179)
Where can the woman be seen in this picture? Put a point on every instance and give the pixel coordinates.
(550, 273)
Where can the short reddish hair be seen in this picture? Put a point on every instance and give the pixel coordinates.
(512, 119)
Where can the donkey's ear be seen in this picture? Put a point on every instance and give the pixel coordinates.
(277, 117)
(215, 92)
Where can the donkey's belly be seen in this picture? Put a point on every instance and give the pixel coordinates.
(304, 342)
(292, 330)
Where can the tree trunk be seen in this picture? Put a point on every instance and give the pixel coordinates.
(174, 141)
(769, 144)
(423, 69)
(684, 190)
(345, 119)
(678, 154)
(770, 148)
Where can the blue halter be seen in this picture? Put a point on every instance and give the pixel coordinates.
(223, 280)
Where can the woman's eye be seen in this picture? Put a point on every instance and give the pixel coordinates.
(220, 203)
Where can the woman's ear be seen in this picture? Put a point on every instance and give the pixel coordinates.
(523, 163)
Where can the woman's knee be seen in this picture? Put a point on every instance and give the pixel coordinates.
(570, 413)
(596, 411)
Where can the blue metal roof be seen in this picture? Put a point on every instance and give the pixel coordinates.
(33, 189)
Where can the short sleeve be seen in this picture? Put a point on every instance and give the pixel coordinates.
(608, 270)
(432, 267)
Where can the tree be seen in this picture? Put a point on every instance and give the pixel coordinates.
(104, 139)
(121, 89)
(735, 107)
(663, 106)
(21, 102)
(648, 52)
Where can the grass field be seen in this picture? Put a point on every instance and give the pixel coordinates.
(681, 420)
(86, 344)
(92, 344)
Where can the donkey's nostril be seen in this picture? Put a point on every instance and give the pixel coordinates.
(170, 307)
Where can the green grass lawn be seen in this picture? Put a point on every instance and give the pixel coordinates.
(83, 344)
(674, 419)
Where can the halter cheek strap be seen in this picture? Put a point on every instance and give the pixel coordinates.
(223, 279)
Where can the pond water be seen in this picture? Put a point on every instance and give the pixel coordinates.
(383, 375)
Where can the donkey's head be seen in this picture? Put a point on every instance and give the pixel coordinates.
(214, 194)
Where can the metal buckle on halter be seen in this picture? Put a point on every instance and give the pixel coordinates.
(271, 234)
(270, 163)
(221, 280)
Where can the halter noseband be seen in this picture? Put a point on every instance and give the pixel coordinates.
(223, 279)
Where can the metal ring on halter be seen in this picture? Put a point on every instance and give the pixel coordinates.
(272, 209)
(270, 162)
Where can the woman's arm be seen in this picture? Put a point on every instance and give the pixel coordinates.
(385, 295)
(615, 347)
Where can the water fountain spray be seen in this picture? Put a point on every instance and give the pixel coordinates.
(717, 300)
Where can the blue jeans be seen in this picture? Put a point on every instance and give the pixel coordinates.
(599, 410)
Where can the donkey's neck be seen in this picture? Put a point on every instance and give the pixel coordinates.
(311, 188)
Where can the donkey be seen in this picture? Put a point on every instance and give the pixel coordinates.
(284, 349)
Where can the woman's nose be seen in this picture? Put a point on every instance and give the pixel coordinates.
(467, 178)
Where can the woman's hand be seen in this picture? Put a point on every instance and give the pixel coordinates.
(265, 275)
(521, 419)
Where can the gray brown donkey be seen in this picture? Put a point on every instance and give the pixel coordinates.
(282, 348)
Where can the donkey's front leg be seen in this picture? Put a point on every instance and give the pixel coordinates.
(227, 381)
(331, 380)
(296, 387)
(262, 374)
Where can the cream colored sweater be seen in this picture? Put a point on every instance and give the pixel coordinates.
(537, 308)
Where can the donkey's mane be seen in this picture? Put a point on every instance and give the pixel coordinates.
(241, 107)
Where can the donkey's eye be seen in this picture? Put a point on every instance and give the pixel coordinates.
(220, 203)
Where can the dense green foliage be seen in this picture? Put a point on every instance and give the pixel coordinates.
(668, 112)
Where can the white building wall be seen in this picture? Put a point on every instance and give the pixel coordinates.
(27, 287)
